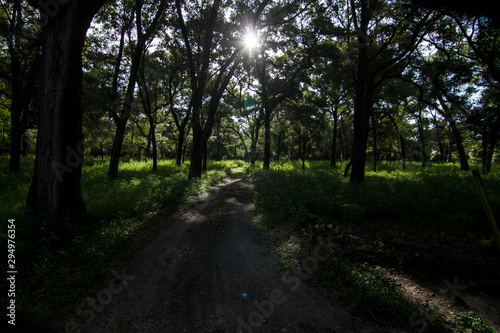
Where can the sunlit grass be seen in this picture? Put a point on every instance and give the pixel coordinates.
(440, 195)
(118, 210)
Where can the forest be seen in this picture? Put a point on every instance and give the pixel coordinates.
(364, 114)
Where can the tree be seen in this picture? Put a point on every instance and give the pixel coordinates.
(175, 87)
(203, 54)
(384, 50)
(151, 74)
(56, 188)
(144, 35)
(483, 38)
(23, 43)
(279, 65)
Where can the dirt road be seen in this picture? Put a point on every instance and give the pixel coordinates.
(210, 270)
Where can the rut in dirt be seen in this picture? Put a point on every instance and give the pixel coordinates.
(210, 270)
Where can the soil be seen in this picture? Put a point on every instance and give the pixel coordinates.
(209, 269)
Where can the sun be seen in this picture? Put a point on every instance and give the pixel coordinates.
(251, 40)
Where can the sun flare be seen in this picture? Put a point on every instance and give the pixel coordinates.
(251, 40)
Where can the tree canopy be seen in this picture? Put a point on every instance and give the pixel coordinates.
(351, 80)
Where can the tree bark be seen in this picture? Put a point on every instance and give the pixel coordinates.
(488, 149)
(374, 126)
(121, 120)
(155, 149)
(363, 100)
(333, 160)
(464, 164)
(180, 145)
(267, 138)
(421, 138)
(56, 189)
(253, 144)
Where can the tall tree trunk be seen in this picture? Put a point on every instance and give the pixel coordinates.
(304, 142)
(205, 156)
(121, 124)
(24, 146)
(18, 104)
(15, 116)
(121, 120)
(342, 144)
(149, 139)
(464, 164)
(362, 106)
(278, 148)
(267, 138)
(253, 144)
(195, 168)
(421, 137)
(374, 126)
(180, 145)
(155, 148)
(333, 160)
(450, 143)
(56, 188)
(403, 150)
(488, 145)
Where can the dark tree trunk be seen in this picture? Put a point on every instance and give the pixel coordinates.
(180, 145)
(304, 146)
(121, 124)
(24, 146)
(374, 126)
(360, 140)
(421, 138)
(488, 145)
(450, 143)
(362, 106)
(267, 138)
(149, 139)
(347, 167)
(20, 91)
(121, 120)
(342, 144)
(155, 148)
(195, 168)
(401, 140)
(15, 116)
(56, 188)
(278, 148)
(464, 164)
(333, 160)
(403, 150)
(253, 145)
(442, 156)
(205, 156)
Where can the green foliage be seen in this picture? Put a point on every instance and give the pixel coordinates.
(118, 210)
(475, 324)
(370, 289)
(440, 195)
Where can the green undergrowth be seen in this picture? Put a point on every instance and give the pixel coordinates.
(439, 196)
(58, 262)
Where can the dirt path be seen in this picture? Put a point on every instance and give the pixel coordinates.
(209, 270)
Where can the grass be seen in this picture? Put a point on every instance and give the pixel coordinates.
(56, 270)
(441, 197)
